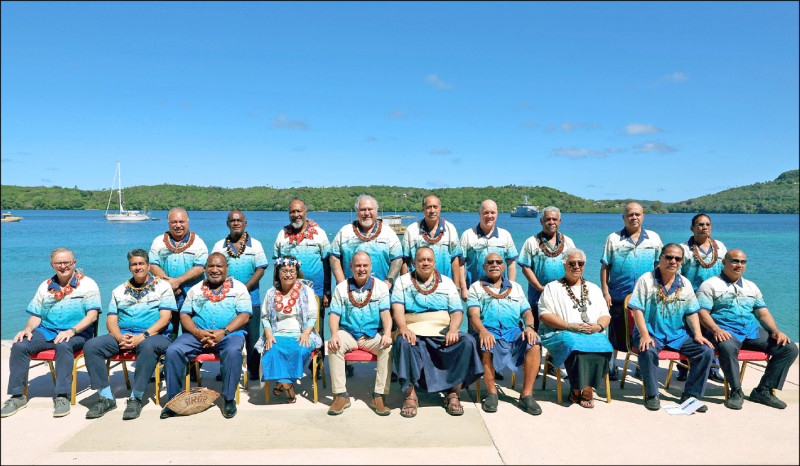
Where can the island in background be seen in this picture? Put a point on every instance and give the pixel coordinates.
(779, 196)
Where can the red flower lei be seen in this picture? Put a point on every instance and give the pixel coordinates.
(546, 249)
(309, 233)
(366, 300)
(58, 294)
(208, 293)
(176, 249)
(436, 280)
(294, 293)
(367, 238)
(432, 240)
(696, 252)
(496, 295)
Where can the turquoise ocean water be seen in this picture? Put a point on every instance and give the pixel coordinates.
(770, 242)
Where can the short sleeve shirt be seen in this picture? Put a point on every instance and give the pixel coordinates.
(665, 320)
(60, 311)
(544, 267)
(476, 246)
(137, 309)
(444, 298)
(210, 315)
(501, 317)
(446, 248)
(175, 264)
(628, 261)
(312, 251)
(732, 305)
(360, 321)
(382, 250)
(691, 268)
(244, 266)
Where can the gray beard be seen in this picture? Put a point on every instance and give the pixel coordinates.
(297, 224)
(366, 224)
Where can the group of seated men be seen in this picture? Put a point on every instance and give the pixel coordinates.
(419, 287)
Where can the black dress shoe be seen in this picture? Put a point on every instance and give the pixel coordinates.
(716, 377)
(166, 412)
(229, 410)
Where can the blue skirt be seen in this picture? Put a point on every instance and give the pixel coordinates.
(432, 367)
(561, 344)
(285, 360)
(508, 354)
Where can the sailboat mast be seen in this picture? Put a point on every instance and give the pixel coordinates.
(119, 186)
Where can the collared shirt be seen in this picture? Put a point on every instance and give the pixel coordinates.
(209, 315)
(445, 298)
(555, 300)
(175, 264)
(501, 317)
(691, 268)
(138, 309)
(665, 320)
(62, 314)
(311, 251)
(544, 267)
(628, 261)
(243, 267)
(476, 246)
(382, 250)
(360, 321)
(732, 305)
(445, 250)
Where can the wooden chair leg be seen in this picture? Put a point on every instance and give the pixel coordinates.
(52, 371)
(197, 372)
(478, 389)
(544, 373)
(624, 370)
(669, 374)
(75, 378)
(158, 383)
(513, 379)
(725, 382)
(125, 372)
(608, 389)
(266, 390)
(188, 376)
(314, 378)
(558, 382)
(741, 373)
(322, 370)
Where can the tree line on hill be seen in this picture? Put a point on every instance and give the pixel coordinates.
(778, 196)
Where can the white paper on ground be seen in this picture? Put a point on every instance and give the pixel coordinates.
(687, 407)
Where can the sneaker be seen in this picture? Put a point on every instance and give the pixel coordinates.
(716, 377)
(701, 409)
(60, 406)
(13, 404)
(102, 406)
(735, 399)
(133, 409)
(766, 396)
(652, 403)
(229, 410)
(340, 403)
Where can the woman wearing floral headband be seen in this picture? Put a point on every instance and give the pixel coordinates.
(289, 335)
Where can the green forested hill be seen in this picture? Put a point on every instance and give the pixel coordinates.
(779, 196)
(772, 197)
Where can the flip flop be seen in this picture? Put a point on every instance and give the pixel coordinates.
(407, 405)
(586, 400)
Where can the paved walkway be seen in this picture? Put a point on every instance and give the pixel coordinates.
(278, 433)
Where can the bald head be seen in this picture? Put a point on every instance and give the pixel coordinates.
(361, 255)
(633, 216)
(488, 214)
(361, 266)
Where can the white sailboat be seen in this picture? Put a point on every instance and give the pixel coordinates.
(123, 215)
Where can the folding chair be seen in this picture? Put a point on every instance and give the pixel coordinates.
(128, 356)
(548, 361)
(207, 357)
(745, 356)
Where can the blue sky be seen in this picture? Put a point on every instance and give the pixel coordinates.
(602, 100)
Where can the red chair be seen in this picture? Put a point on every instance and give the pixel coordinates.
(127, 356)
(208, 357)
(49, 356)
(672, 356)
(745, 356)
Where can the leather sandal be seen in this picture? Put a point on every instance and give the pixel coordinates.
(290, 396)
(453, 405)
(407, 405)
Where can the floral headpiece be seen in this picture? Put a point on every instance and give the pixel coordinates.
(287, 261)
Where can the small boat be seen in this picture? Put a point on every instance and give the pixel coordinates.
(395, 222)
(155, 219)
(8, 218)
(123, 215)
(526, 209)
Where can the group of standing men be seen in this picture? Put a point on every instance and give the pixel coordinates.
(424, 281)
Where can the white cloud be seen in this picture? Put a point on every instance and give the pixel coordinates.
(283, 123)
(434, 81)
(676, 77)
(397, 114)
(531, 124)
(576, 153)
(641, 128)
(615, 150)
(655, 147)
(456, 161)
(372, 139)
(570, 125)
(440, 151)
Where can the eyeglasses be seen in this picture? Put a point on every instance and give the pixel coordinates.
(63, 264)
(288, 272)
(494, 262)
(672, 258)
(576, 263)
(738, 261)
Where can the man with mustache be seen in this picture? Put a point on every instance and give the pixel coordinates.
(436, 233)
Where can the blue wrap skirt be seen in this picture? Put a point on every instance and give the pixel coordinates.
(285, 360)
(561, 343)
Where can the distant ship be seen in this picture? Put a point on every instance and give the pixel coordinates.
(123, 215)
(526, 209)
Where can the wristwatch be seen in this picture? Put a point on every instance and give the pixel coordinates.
(530, 326)
(74, 331)
(227, 332)
(146, 334)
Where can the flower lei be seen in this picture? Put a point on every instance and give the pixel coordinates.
(309, 233)
(579, 304)
(208, 293)
(432, 240)
(365, 238)
(294, 293)
(436, 280)
(547, 250)
(496, 295)
(58, 294)
(138, 292)
(665, 301)
(696, 252)
(176, 249)
(360, 304)
(229, 243)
